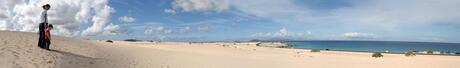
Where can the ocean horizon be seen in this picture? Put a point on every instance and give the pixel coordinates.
(377, 46)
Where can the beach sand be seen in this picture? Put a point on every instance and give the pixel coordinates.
(20, 50)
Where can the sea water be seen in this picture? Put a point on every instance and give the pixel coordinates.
(377, 46)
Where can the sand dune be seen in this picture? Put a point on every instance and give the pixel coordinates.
(19, 50)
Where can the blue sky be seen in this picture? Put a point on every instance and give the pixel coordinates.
(227, 20)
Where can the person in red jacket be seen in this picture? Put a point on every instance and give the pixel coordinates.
(48, 36)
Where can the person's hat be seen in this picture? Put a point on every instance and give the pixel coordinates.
(46, 5)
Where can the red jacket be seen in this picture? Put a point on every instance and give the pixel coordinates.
(47, 33)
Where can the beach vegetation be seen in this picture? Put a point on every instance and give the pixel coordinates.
(429, 52)
(132, 40)
(442, 52)
(150, 41)
(109, 41)
(409, 53)
(377, 55)
(315, 50)
(448, 52)
(258, 44)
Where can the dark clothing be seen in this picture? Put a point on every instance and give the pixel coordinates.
(48, 42)
(41, 32)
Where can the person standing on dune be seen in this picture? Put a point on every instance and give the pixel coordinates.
(48, 36)
(42, 26)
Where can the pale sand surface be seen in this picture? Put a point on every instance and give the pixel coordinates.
(19, 50)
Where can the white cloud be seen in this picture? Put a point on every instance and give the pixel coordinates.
(282, 34)
(100, 19)
(157, 30)
(393, 16)
(380, 14)
(199, 6)
(185, 29)
(282, 11)
(113, 30)
(358, 35)
(399, 13)
(67, 15)
(127, 19)
(170, 11)
(203, 28)
(148, 32)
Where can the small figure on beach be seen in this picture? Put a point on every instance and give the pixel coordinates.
(48, 36)
(42, 26)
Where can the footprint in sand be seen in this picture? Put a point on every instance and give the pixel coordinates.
(49, 61)
(91, 62)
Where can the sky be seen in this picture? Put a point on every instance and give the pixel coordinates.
(241, 20)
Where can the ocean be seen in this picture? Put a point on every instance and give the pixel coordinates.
(377, 46)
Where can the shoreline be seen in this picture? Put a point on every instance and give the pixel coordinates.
(287, 46)
(402, 53)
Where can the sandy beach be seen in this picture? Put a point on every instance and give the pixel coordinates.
(19, 50)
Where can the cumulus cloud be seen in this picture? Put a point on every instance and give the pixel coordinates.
(67, 15)
(358, 35)
(113, 30)
(283, 33)
(127, 19)
(198, 6)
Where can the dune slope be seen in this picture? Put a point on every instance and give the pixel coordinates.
(20, 50)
